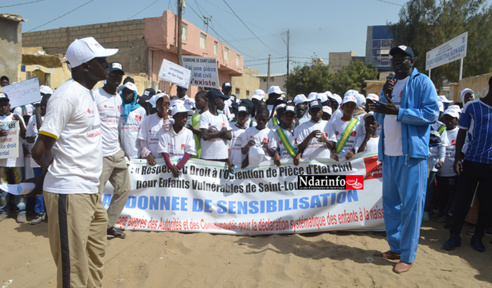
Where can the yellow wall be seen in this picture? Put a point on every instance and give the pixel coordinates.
(247, 82)
(479, 85)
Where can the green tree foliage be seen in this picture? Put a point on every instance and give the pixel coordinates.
(316, 77)
(307, 78)
(352, 77)
(426, 24)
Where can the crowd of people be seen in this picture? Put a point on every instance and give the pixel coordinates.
(81, 137)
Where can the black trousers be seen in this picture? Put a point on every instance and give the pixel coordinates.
(473, 173)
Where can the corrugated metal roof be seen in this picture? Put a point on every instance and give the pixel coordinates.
(12, 17)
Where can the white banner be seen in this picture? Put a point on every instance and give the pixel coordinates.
(22, 93)
(263, 200)
(448, 52)
(9, 145)
(204, 72)
(174, 73)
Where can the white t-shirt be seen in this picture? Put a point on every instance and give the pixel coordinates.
(109, 111)
(392, 128)
(13, 161)
(32, 131)
(129, 132)
(151, 131)
(279, 145)
(235, 145)
(447, 169)
(339, 127)
(182, 143)
(216, 148)
(372, 144)
(256, 152)
(72, 118)
(315, 149)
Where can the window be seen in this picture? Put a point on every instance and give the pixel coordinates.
(238, 60)
(237, 92)
(247, 94)
(226, 54)
(216, 47)
(203, 41)
(184, 32)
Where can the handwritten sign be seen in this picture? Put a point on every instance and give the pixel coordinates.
(174, 73)
(22, 93)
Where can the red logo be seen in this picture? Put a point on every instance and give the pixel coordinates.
(105, 106)
(139, 118)
(324, 135)
(354, 182)
(89, 111)
(336, 133)
(353, 133)
(223, 125)
(182, 146)
(453, 142)
(118, 108)
(374, 168)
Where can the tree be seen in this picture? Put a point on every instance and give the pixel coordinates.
(316, 77)
(426, 24)
(305, 79)
(353, 77)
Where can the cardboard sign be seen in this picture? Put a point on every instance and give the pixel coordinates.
(22, 93)
(174, 73)
(9, 145)
(204, 72)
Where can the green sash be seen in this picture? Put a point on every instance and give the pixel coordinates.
(274, 121)
(288, 146)
(441, 129)
(346, 134)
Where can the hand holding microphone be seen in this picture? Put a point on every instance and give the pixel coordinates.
(389, 85)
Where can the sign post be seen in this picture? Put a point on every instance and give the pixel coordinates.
(448, 52)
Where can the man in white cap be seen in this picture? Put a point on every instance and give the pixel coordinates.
(273, 93)
(114, 164)
(68, 148)
(301, 107)
(258, 97)
(335, 102)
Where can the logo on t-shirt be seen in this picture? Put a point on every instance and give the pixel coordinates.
(223, 125)
(453, 142)
(353, 133)
(139, 118)
(182, 146)
(89, 111)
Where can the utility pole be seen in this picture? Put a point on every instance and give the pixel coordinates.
(288, 38)
(268, 75)
(180, 31)
(207, 19)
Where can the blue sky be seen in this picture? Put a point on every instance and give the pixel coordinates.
(317, 27)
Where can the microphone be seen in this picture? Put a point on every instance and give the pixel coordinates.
(391, 77)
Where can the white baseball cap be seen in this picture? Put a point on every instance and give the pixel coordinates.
(153, 99)
(312, 96)
(130, 86)
(361, 100)
(179, 108)
(45, 89)
(282, 105)
(258, 95)
(290, 108)
(300, 98)
(455, 107)
(373, 97)
(453, 112)
(327, 109)
(349, 98)
(351, 92)
(276, 90)
(367, 115)
(86, 49)
(337, 98)
(322, 97)
(443, 99)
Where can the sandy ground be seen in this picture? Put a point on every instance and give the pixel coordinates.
(171, 259)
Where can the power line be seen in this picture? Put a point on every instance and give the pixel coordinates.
(61, 16)
(218, 35)
(142, 9)
(248, 27)
(388, 2)
(21, 4)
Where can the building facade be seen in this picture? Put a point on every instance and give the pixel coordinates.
(10, 44)
(143, 44)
